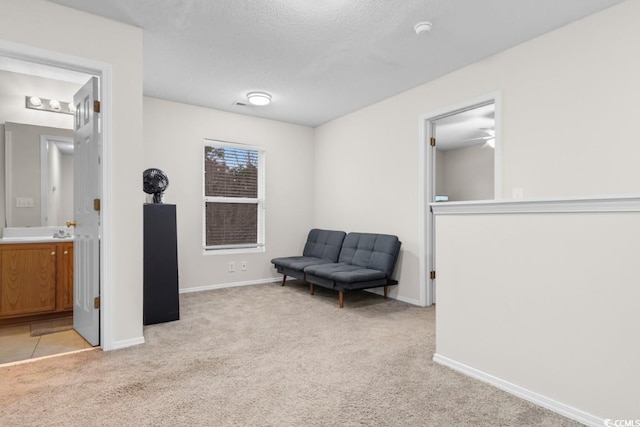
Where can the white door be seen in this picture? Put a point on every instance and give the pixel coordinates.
(86, 196)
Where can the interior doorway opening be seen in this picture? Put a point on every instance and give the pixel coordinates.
(460, 155)
(45, 67)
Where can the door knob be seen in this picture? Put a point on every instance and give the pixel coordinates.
(71, 223)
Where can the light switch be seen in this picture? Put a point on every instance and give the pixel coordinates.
(24, 202)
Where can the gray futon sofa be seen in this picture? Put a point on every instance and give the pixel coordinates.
(365, 260)
(322, 247)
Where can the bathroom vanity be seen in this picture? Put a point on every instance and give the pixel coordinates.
(36, 277)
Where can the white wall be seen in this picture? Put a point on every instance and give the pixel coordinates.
(569, 128)
(466, 173)
(553, 308)
(173, 141)
(90, 37)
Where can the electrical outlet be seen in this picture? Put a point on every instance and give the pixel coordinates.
(518, 193)
(243, 265)
(232, 267)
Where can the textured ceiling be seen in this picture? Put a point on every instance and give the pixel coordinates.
(320, 59)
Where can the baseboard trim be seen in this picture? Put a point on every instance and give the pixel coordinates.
(278, 280)
(233, 284)
(523, 393)
(117, 345)
(379, 291)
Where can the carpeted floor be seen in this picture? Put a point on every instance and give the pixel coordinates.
(266, 355)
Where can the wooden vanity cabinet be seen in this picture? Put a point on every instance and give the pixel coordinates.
(64, 284)
(35, 278)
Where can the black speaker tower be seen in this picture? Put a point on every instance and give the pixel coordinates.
(161, 302)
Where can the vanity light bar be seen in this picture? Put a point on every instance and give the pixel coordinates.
(51, 105)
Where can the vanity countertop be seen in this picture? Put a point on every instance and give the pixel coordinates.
(36, 239)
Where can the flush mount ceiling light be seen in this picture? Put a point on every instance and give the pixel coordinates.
(423, 27)
(51, 105)
(259, 98)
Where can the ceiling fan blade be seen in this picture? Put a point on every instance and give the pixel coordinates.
(484, 138)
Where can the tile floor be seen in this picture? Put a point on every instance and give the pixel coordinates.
(16, 343)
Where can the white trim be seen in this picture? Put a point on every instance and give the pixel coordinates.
(210, 142)
(103, 71)
(228, 251)
(116, 345)
(44, 174)
(259, 201)
(277, 280)
(426, 254)
(573, 205)
(107, 309)
(8, 174)
(44, 180)
(232, 285)
(521, 392)
(380, 292)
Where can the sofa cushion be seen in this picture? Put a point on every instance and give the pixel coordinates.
(345, 273)
(370, 251)
(298, 262)
(324, 244)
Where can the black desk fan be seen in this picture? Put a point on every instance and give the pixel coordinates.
(155, 182)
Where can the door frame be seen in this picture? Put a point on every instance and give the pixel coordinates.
(44, 178)
(103, 71)
(426, 185)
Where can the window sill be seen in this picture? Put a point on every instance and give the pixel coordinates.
(233, 251)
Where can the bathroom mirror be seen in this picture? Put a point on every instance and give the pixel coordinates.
(38, 175)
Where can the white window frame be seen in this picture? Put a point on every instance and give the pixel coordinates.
(260, 201)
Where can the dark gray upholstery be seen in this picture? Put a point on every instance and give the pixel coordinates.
(375, 251)
(366, 261)
(322, 247)
(324, 244)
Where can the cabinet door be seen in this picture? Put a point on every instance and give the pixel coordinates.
(65, 276)
(28, 279)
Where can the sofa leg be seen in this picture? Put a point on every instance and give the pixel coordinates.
(340, 299)
(311, 290)
(385, 292)
(283, 279)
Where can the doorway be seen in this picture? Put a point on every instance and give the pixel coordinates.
(460, 155)
(61, 65)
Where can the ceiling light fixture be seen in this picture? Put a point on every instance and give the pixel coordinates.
(51, 105)
(259, 98)
(423, 27)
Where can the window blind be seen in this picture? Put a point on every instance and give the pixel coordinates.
(232, 197)
(231, 172)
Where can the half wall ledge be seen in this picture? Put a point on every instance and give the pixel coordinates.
(630, 203)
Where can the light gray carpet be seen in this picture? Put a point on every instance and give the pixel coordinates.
(266, 355)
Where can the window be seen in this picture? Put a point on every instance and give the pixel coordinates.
(233, 196)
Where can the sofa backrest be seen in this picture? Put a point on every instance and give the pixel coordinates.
(376, 251)
(324, 244)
